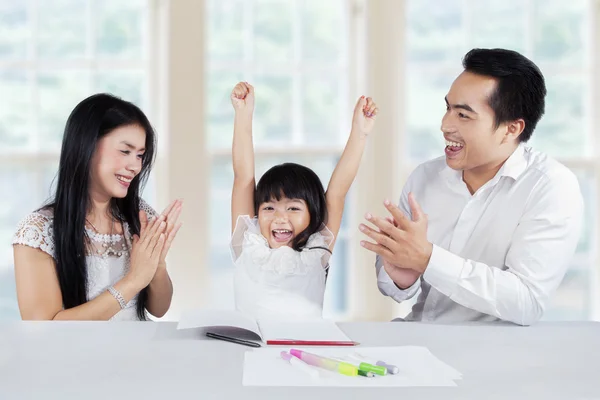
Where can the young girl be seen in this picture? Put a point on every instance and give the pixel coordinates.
(92, 254)
(284, 228)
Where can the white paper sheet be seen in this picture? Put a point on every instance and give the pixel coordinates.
(321, 330)
(418, 367)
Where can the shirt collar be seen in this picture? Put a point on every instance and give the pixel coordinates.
(515, 164)
(513, 167)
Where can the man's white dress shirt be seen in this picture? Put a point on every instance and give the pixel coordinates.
(499, 253)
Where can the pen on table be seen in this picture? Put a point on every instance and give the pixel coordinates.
(232, 339)
(325, 363)
(286, 342)
(392, 369)
(299, 364)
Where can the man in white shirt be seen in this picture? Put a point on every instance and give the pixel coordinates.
(496, 223)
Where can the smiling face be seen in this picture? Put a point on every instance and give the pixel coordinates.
(472, 141)
(116, 161)
(282, 220)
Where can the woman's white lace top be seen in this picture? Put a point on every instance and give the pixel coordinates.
(278, 283)
(107, 259)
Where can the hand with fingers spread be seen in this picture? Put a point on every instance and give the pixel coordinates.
(146, 250)
(171, 218)
(403, 247)
(242, 98)
(364, 116)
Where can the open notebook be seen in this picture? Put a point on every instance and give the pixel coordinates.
(272, 332)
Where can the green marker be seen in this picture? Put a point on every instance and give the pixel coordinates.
(376, 369)
(366, 367)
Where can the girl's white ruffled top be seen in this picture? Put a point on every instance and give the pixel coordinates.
(278, 283)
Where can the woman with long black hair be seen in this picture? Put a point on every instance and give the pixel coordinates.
(97, 251)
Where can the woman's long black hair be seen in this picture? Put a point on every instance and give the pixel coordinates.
(92, 119)
(295, 181)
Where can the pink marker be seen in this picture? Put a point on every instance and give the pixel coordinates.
(325, 363)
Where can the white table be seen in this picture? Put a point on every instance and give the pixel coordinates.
(98, 360)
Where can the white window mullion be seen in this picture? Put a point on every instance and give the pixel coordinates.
(467, 24)
(33, 19)
(529, 27)
(185, 78)
(90, 48)
(590, 100)
(297, 93)
(384, 73)
(595, 136)
(265, 151)
(77, 63)
(548, 69)
(150, 46)
(274, 68)
(153, 56)
(351, 11)
(90, 31)
(23, 160)
(248, 34)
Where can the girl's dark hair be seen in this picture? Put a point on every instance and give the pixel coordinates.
(92, 119)
(294, 181)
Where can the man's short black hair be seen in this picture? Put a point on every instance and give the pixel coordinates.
(520, 89)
